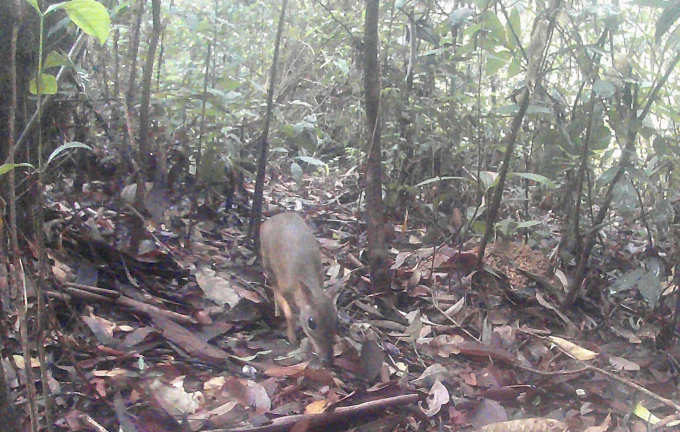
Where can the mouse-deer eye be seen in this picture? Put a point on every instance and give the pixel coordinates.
(311, 322)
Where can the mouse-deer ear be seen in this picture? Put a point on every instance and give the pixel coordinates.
(306, 292)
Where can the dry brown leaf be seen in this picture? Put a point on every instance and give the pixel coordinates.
(438, 396)
(526, 425)
(621, 363)
(286, 371)
(601, 427)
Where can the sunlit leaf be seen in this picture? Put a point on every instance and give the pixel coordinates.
(48, 85)
(668, 17)
(459, 15)
(64, 147)
(5, 168)
(573, 350)
(604, 89)
(439, 179)
(90, 15)
(535, 177)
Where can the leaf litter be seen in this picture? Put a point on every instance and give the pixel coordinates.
(179, 334)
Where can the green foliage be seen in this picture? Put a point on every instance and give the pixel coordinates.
(89, 15)
(444, 126)
(64, 147)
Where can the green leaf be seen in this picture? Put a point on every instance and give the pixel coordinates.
(435, 51)
(55, 59)
(459, 15)
(494, 63)
(493, 24)
(528, 224)
(624, 197)
(509, 109)
(296, 172)
(5, 168)
(514, 68)
(535, 177)
(439, 179)
(536, 109)
(604, 89)
(34, 3)
(314, 161)
(48, 85)
(668, 17)
(90, 15)
(63, 147)
(488, 178)
(515, 24)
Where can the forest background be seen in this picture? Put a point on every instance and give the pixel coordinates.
(418, 127)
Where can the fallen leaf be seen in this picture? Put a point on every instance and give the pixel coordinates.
(438, 396)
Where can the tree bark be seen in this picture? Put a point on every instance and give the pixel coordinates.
(144, 118)
(8, 414)
(377, 250)
(256, 212)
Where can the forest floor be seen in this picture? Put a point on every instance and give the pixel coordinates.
(176, 331)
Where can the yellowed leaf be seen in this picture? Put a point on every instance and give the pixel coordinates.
(572, 349)
(316, 407)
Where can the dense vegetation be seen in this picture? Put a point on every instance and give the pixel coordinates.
(546, 126)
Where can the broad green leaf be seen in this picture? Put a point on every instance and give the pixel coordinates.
(488, 178)
(528, 224)
(645, 281)
(288, 131)
(55, 59)
(514, 68)
(204, 27)
(640, 175)
(495, 62)
(64, 147)
(228, 84)
(508, 109)
(439, 179)
(48, 85)
(493, 24)
(668, 17)
(90, 15)
(507, 226)
(314, 161)
(34, 3)
(342, 65)
(536, 109)
(473, 29)
(515, 22)
(472, 212)
(604, 89)
(434, 52)
(296, 172)
(459, 15)
(650, 288)
(300, 103)
(624, 197)
(5, 168)
(607, 176)
(535, 177)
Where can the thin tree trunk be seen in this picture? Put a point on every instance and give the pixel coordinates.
(144, 120)
(256, 212)
(377, 250)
